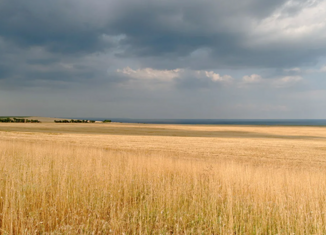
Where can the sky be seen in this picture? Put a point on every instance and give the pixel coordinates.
(207, 59)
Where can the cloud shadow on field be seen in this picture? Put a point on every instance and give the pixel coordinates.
(146, 131)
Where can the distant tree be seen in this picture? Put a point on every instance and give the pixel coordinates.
(74, 121)
(18, 120)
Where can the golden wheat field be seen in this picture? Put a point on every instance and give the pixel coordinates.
(161, 179)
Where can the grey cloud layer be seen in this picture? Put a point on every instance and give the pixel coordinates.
(158, 29)
(77, 46)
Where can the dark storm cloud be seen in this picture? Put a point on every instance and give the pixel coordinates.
(165, 27)
(152, 28)
(35, 67)
(173, 30)
(38, 23)
(161, 34)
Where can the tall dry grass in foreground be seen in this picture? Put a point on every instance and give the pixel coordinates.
(62, 189)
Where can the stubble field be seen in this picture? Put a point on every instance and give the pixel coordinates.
(161, 179)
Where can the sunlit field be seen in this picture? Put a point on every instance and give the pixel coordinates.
(161, 179)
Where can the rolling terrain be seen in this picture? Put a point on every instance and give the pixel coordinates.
(161, 179)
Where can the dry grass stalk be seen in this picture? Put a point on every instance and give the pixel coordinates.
(69, 189)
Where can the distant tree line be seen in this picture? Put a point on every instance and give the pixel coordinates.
(77, 121)
(74, 121)
(19, 120)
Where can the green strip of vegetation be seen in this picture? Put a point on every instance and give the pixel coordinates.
(78, 121)
(18, 120)
(74, 121)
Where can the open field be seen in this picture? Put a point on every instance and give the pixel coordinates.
(161, 179)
